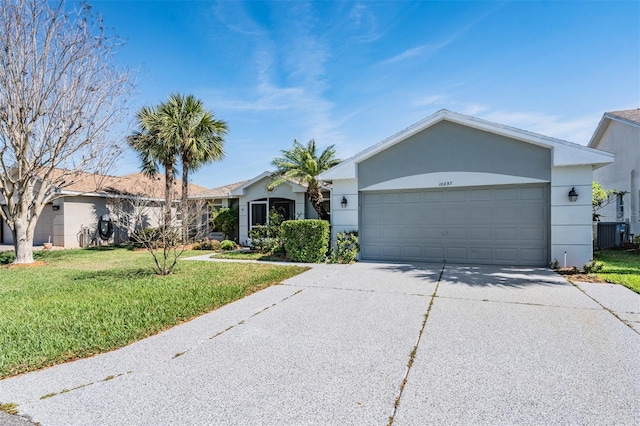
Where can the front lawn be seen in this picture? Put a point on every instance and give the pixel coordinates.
(620, 267)
(83, 302)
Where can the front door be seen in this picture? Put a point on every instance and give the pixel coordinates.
(257, 213)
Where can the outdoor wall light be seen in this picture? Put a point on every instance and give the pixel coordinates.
(343, 203)
(573, 195)
(55, 208)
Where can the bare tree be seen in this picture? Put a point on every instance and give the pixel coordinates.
(60, 94)
(143, 219)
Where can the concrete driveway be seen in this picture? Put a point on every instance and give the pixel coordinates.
(363, 344)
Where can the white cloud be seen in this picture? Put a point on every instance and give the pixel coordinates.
(429, 100)
(289, 68)
(362, 23)
(576, 129)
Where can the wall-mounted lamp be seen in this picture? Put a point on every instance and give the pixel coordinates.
(343, 203)
(573, 195)
(55, 208)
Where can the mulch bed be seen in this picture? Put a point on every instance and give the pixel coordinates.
(574, 275)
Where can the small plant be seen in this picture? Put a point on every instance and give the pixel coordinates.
(9, 407)
(227, 245)
(555, 264)
(346, 249)
(636, 239)
(207, 245)
(593, 267)
(267, 239)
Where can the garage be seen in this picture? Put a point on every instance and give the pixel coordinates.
(503, 225)
(460, 189)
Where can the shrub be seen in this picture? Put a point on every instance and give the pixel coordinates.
(267, 239)
(226, 221)
(593, 267)
(227, 245)
(306, 240)
(207, 245)
(346, 249)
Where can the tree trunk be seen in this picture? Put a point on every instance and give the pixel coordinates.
(315, 197)
(183, 204)
(168, 199)
(22, 241)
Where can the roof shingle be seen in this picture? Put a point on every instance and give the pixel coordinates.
(629, 114)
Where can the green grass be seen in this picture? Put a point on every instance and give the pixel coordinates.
(84, 302)
(620, 267)
(247, 255)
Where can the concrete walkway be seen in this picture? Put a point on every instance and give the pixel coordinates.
(360, 344)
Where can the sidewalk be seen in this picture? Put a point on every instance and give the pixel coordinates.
(617, 299)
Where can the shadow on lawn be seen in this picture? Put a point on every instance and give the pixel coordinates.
(115, 275)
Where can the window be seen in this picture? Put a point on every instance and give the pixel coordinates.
(258, 213)
(620, 206)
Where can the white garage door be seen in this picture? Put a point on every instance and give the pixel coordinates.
(502, 225)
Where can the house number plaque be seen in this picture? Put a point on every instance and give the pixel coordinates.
(448, 183)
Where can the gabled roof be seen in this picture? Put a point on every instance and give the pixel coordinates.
(136, 184)
(241, 190)
(219, 192)
(564, 153)
(630, 117)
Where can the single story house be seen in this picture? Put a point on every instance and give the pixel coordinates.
(619, 133)
(459, 189)
(73, 218)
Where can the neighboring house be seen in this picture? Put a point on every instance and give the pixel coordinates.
(459, 189)
(254, 201)
(72, 219)
(619, 133)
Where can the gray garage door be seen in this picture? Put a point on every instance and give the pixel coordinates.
(503, 225)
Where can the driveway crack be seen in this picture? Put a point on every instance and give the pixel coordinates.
(414, 351)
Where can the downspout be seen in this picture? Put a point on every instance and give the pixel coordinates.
(633, 216)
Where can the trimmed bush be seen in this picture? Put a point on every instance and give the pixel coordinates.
(306, 240)
(207, 245)
(227, 245)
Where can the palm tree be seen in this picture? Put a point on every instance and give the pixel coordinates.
(198, 136)
(301, 164)
(155, 151)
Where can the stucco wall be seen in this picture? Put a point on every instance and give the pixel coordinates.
(77, 212)
(450, 147)
(344, 218)
(44, 228)
(622, 175)
(571, 224)
(258, 191)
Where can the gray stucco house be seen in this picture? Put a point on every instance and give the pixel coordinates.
(72, 218)
(619, 133)
(460, 189)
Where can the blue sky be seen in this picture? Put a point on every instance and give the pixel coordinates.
(351, 73)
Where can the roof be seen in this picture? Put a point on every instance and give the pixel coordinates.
(632, 115)
(564, 153)
(219, 192)
(83, 183)
(241, 189)
(629, 116)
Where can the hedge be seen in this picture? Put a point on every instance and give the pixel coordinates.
(306, 240)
